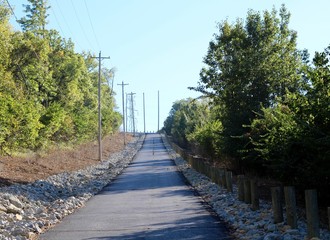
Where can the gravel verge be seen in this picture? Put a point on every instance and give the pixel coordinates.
(243, 222)
(28, 210)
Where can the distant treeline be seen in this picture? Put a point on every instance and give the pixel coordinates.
(48, 92)
(265, 107)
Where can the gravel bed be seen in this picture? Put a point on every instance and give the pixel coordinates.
(28, 210)
(243, 222)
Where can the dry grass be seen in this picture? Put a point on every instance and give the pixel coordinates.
(33, 166)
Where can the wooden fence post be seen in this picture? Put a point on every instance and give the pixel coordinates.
(203, 170)
(190, 159)
(213, 174)
(183, 154)
(290, 205)
(247, 191)
(254, 195)
(277, 204)
(199, 166)
(240, 186)
(209, 171)
(223, 177)
(312, 215)
(229, 181)
(193, 162)
(219, 177)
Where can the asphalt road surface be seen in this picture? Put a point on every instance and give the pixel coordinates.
(149, 200)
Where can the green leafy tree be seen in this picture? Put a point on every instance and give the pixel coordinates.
(48, 92)
(111, 120)
(36, 17)
(291, 141)
(272, 135)
(249, 64)
(184, 117)
(206, 137)
(19, 117)
(30, 64)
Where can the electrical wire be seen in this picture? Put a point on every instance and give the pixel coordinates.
(18, 66)
(35, 53)
(66, 22)
(12, 10)
(58, 23)
(82, 28)
(62, 15)
(90, 21)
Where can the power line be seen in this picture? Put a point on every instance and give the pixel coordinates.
(58, 23)
(82, 28)
(18, 65)
(131, 112)
(11, 9)
(62, 15)
(90, 21)
(122, 86)
(66, 22)
(21, 27)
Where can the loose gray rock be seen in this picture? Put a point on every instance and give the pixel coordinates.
(3, 209)
(15, 201)
(28, 210)
(245, 223)
(13, 209)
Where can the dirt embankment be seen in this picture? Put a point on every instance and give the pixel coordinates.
(39, 166)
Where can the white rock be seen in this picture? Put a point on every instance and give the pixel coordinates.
(3, 209)
(13, 209)
(238, 215)
(15, 201)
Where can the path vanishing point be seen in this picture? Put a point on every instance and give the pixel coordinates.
(149, 200)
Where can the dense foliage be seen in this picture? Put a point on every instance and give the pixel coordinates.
(270, 105)
(193, 123)
(292, 139)
(249, 66)
(48, 92)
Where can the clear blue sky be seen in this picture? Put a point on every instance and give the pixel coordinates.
(160, 44)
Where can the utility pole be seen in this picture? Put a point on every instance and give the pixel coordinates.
(158, 110)
(99, 106)
(122, 89)
(133, 113)
(144, 115)
(131, 106)
(126, 117)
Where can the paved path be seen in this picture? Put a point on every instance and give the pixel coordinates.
(148, 201)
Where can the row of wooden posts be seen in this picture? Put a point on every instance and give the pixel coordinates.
(247, 191)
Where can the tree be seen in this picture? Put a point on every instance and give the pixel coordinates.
(30, 58)
(48, 92)
(185, 116)
(19, 117)
(36, 17)
(249, 65)
(291, 140)
(206, 137)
